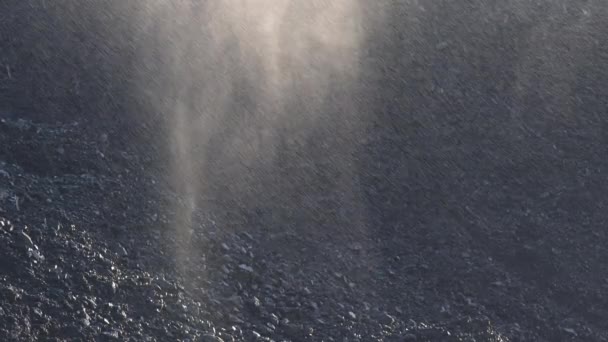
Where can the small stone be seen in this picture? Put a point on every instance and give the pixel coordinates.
(274, 319)
(387, 319)
(409, 337)
(235, 319)
(570, 331)
(13, 293)
(246, 268)
(34, 254)
(112, 334)
(211, 338)
(27, 239)
(256, 302)
(314, 306)
(366, 306)
(85, 315)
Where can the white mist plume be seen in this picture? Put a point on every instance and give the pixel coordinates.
(238, 71)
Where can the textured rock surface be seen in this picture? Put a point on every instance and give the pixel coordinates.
(479, 177)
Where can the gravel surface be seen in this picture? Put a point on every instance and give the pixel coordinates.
(75, 266)
(467, 205)
(89, 253)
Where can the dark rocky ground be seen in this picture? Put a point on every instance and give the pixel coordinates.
(480, 175)
(88, 253)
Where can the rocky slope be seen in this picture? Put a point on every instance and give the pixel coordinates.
(472, 207)
(90, 251)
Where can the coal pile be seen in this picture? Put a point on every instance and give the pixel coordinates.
(89, 253)
(466, 201)
(76, 267)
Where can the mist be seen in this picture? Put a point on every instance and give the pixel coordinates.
(250, 82)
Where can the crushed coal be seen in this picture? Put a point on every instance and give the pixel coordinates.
(468, 206)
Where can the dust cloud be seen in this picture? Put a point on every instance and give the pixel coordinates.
(245, 81)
